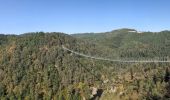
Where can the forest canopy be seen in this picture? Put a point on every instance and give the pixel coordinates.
(35, 66)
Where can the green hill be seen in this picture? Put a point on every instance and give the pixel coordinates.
(128, 43)
(35, 66)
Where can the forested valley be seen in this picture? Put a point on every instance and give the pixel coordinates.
(34, 66)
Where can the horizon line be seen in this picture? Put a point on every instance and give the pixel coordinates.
(20, 33)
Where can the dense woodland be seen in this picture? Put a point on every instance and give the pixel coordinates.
(34, 66)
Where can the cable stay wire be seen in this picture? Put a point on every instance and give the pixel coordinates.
(116, 60)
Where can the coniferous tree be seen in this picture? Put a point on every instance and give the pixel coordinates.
(167, 75)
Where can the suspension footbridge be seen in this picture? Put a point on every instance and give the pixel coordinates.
(115, 60)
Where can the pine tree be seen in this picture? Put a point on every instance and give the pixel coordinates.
(167, 75)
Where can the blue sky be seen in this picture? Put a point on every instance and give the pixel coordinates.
(77, 16)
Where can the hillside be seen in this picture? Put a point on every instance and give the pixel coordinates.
(35, 66)
(128, 43)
